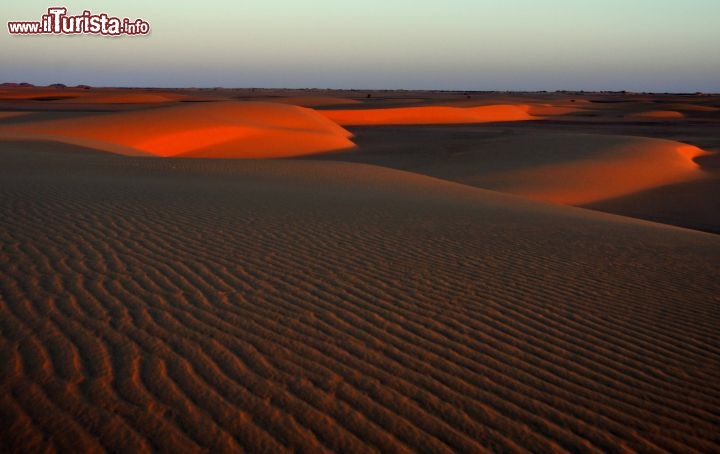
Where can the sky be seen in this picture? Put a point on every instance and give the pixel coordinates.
(635, 45)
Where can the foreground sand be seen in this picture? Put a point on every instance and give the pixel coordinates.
(187, 305)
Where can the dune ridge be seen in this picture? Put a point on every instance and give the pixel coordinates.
(430, 115)
(220, 129)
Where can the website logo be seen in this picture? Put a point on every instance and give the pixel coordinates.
(57, 22)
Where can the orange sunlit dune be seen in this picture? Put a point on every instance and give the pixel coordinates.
(430, 115)
(640, 164)
(227, 129)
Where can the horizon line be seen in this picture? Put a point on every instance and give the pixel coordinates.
(59, 85)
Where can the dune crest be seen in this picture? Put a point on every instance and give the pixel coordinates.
(430, 115)
(223, 129)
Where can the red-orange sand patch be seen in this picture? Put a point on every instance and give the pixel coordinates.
(430, 115)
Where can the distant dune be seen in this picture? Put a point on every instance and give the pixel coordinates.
(550, 110)
(429, 115)
(692, 108)
(659, 114)
(29, 94)
(120, 98)
(314, 101)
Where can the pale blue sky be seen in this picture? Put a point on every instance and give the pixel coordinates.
(653, 45)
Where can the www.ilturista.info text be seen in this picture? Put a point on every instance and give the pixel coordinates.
(57, 22)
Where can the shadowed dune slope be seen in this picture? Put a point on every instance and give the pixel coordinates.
(694, 204)
(222, 129)
(209, 305)
(561, 168)
(429, 115)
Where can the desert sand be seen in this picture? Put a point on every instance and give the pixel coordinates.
(392, 286)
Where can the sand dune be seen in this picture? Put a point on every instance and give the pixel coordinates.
(224, 129)
(551, 110)
(685, 107)
(638, 165)
(207, 305)
(120, 98)
(572, 169)
(429, 115)
(96, 96)
(659, 114)
(313, 101)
